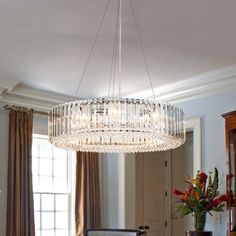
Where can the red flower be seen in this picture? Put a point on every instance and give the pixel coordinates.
(178, 193)
(203, 177)
(224, 198)
(217, 202)
(200, 195)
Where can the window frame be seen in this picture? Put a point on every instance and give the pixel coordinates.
(70, 188)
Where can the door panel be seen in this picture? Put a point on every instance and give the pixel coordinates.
(150, 189)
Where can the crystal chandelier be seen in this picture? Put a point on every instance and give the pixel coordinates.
(116, 124)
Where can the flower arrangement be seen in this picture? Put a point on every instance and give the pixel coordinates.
(200, 197)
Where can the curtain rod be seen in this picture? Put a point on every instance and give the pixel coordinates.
(42, 113)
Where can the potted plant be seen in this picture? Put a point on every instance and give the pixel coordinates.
(200, 197)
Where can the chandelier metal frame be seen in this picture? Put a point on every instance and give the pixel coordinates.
(116, 124)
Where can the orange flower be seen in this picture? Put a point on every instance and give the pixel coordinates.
(184, 197)
(195, 195)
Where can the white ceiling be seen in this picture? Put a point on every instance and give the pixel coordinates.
(45, 44)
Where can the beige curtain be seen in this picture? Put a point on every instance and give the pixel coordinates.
(20, 212)
(87, 205)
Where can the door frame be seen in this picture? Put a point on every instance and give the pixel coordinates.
(194, 125)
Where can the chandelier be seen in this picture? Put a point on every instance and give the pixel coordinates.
(116, 124)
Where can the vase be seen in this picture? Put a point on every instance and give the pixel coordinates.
(199, 221)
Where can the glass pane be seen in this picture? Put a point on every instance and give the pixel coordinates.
(61, 232)
(35, 166)
(48, 233)
(35, 183)
(46, 184)
(37, 220)
(61, 203)
(47, 220)
(45, 148)
(35, 148)
(36, 202)
(46, 167)
(47, 202)
(60, 185)
(61, 220)
(60, 167)
(38, 233)
(59, 153)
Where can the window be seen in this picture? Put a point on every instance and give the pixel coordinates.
(51, 187)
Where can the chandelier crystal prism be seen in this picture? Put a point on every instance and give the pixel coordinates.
(115, 124)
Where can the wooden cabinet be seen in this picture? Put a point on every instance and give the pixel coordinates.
(230, 135)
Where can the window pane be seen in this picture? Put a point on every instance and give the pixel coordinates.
(36, 202)
(48, 233)
(47, 202)
(46, 184)
(62, 232)
(60, 167)
(46, 167)
(61, 220)
(60, 184)
(45, 149)
(35, 183)
(47, 220)
(59, 153)
(38, 233)
(37, 220)
(61, 203)
(35, 148)
(35, 166)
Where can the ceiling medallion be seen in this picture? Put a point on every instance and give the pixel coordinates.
(116, 124)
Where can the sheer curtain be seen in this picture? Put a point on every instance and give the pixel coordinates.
(20, 211)
(87, 203)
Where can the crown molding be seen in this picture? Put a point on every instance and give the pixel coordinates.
(23, 90)
(15, 93)
(22, 95)
(198, 86)
(7, 85)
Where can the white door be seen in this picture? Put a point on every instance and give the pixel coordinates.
(151, 198)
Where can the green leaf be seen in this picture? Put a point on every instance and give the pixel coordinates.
(215, 183)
